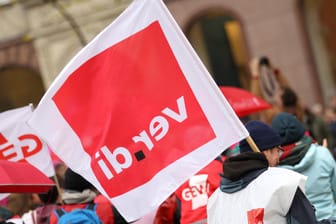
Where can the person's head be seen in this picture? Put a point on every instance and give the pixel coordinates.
(286, 99)
(289, 97)
(20, 203)
(267, 140)
(50, 197)
(264, 61)
(290, 129)
(75, 182)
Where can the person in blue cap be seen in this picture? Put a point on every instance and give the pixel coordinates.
(316, 162)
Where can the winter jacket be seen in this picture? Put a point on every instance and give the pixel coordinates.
(5, 213)
(188, 203)
(319, 166)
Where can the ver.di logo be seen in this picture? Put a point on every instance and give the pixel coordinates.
(157, 129)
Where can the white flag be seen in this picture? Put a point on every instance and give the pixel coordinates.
(135, 112)
(18, 142)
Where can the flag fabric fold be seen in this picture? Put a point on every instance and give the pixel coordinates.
(20, 143)
(135, 112)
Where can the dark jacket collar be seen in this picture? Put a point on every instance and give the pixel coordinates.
(242, 169)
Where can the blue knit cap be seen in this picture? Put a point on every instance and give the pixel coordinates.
(289, 128)
(263, 135)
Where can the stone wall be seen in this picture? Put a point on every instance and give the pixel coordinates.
(270, 27)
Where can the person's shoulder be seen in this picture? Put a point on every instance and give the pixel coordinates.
(105, 211)
(70, 207)
(319, 149)
(64, 208)
(280, 170)
(281, 180)
(283, 173)
(102, 202)
(104, 205)
(321, 153)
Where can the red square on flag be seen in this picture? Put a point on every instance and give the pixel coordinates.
(133, 110)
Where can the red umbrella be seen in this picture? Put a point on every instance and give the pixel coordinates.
(21, 177)
(243, 102)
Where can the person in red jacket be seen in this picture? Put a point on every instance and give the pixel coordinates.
(188, 203)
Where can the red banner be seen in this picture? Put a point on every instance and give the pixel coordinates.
(139, 126)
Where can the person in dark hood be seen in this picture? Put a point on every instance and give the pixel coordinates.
(253, 190)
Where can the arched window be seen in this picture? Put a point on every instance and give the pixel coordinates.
(19, 86)
(217, 39)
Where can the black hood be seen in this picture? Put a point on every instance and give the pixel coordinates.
(240, 170)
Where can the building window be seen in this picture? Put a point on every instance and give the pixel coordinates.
(19, 86)
(217, 39)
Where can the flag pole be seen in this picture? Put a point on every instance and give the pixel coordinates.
(252, 144)
(58, 186)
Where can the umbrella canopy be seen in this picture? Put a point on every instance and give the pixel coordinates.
(243, 102)
(20, 177)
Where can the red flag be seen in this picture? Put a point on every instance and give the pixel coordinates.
(135, 112)
(20, 143)
(145, 128)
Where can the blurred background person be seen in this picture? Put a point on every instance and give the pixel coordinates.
(268, 83)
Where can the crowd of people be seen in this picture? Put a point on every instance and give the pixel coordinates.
(269, 83)
(288, 176)
(291, 179)
(75, 193)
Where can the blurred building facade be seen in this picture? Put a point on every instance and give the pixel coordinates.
(39, 37)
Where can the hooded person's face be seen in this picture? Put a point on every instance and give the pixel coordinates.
(273, 155)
